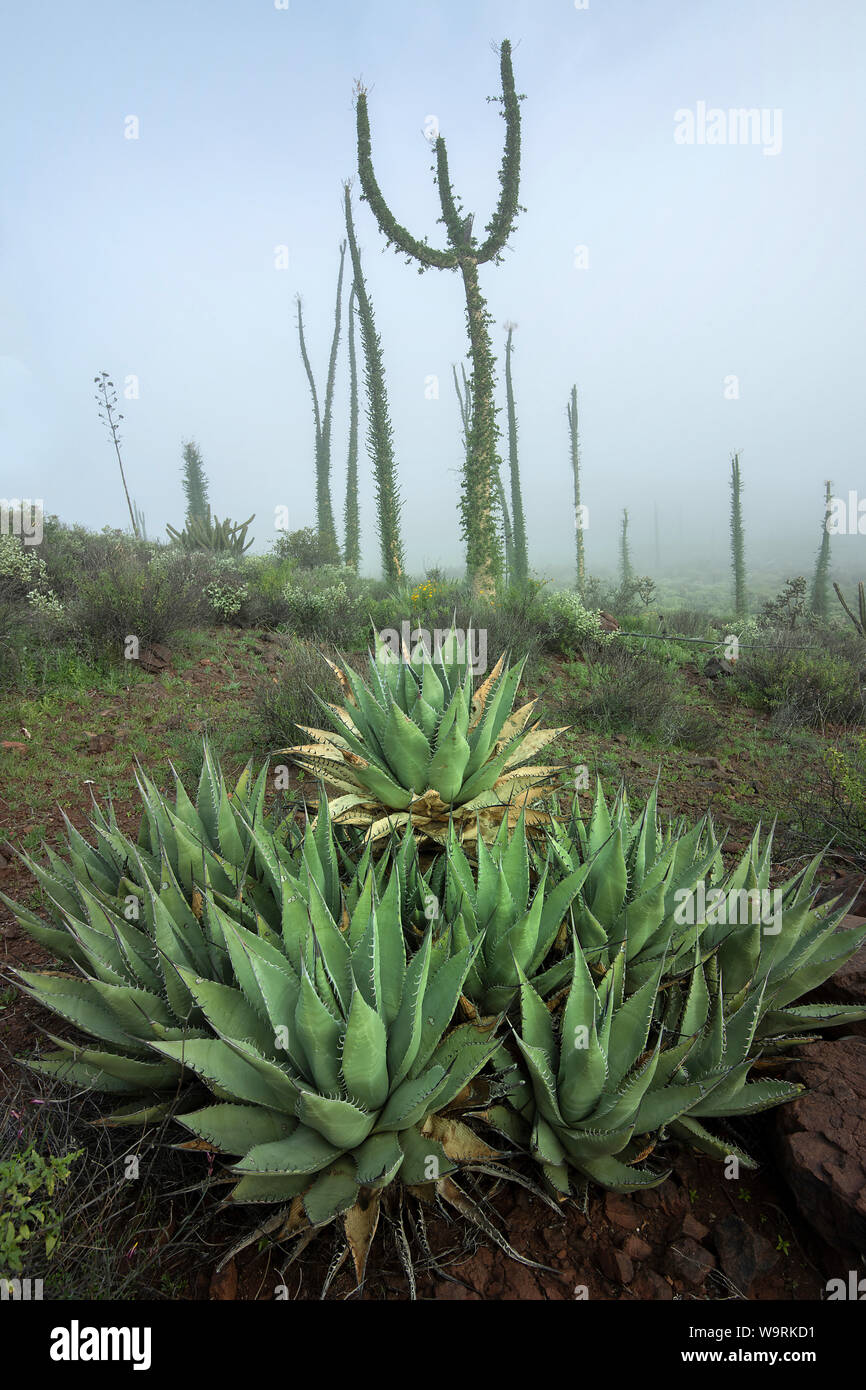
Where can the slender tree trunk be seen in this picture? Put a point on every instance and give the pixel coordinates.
(820, 602)
(351, 517)
(478, 506)
(738, 559)
(578, 509)
(521, 557)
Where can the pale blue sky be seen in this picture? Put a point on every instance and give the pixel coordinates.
(155, 257)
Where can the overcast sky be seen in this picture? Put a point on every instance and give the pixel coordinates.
(156, 258)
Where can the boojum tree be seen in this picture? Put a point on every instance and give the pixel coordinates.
(464, 397)
(626, 570)
(571, 410)
(380, 444)
(465, 254)
(738, 545)
(820, 599)
(327, 532)
(521, 557)
(195, 483)
(351, 517)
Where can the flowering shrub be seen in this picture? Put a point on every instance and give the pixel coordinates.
(24, 575)
(571, 625)
(226, 600)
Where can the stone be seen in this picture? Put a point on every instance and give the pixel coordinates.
(694, 1228)
(622, 1212)
(616, 1265)
(822, 1141)
(718, 666)
(744, 1255)
(688, 1262)
(636, 1249)
(154, 658)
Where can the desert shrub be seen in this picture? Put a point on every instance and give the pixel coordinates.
(329, 605)
(801, 685)
(569, 626)
(131, 596)
(225, 599)
(288, 697)
(619, 597)
(302, 547)
(626, 693)
(28, 1189)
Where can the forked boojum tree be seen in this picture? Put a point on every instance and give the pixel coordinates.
(465, 254)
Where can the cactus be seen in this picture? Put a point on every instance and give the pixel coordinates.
(210, 534)
(351, 518)
(465, 254)
(860, 621)
(324, 511)
(820, 598)
(464, 398)
(521, 560)
(571, 411)
(738, 560)
(379, 442)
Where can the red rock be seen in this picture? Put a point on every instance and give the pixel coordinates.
(822, 1145)
(694, 1228)
(616, 1266)
(744, 1255)
(636, 1249)
(688, 1262)
(622, 1212)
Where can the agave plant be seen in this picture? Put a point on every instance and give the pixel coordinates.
(593, 1094)
(492, 902)
(210, 534)
(328, 1048)
(414, 742)
(639, 872)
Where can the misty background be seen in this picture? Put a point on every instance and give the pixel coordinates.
(155, 258)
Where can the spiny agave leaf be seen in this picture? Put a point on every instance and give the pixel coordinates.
(223, 1066)
(448, 764)
(78, 1001)
(748, 1099)
(364, 1064)
(630, 1028)
(339, 1121)
(384, 788)
(378, 1159)
(81, 1073)
(234, 1129)
(409, 1102)
(619, 1177)
(582, 1062)
(440, 1001)
(691, 1132)
(778, 1023)
(227, 1010)
(405, 1034)
(134, 1113)
(305, 1150)
(407, 750)
(424, 1159)
(143, 1075)
(318, 1031)
(60, 942)
(543, 1082)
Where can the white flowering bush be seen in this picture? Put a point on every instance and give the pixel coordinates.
(336, 611)
(225, 600)
(24, 576)
(570, 625)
